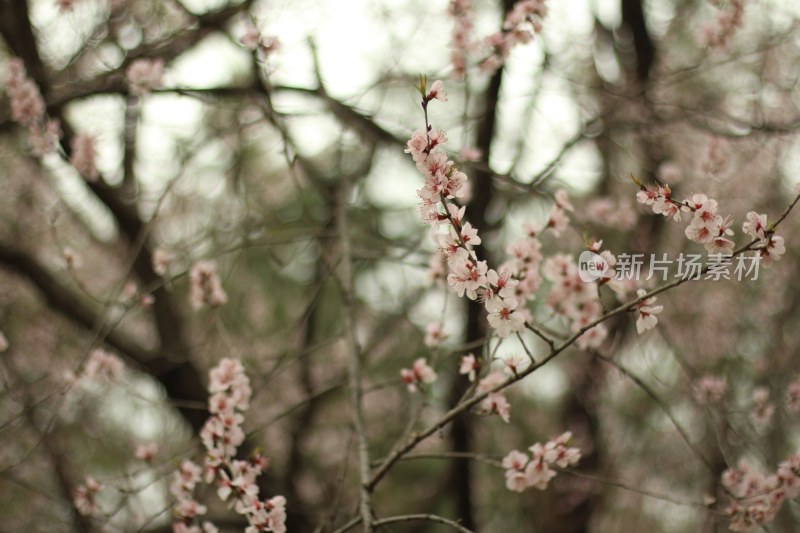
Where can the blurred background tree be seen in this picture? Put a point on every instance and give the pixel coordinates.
(256, 159)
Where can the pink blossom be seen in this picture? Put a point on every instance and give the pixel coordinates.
(467, 276)
(755, 225)
(187, 476)
(206, 289)
(513, 365)
(562, 200)
(557, 451)
(557, 220)
(720, 245)
(189, 508)
(84, 496)
(469, 235)
(539, 474)
(146, 452)
(773, 250)
(417, 145)
(647, 313)
(522, 473)
(502, 316)
(469, 366)
(646, 196)
(437, 91)
(699, 232)
(434, 334)
(420, 372)
(500, 284)
(515, 460)
(495, 402)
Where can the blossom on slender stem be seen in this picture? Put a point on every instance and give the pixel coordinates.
(502, 316)
(772, 250)
(221, 436)
(495, 402)
(437, 91)
(755, 225)
(523, 472)
(757, 497)
(647, 312)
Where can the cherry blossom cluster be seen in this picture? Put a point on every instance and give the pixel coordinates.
(573, 299)
(523, 472)
(759, 497)
(221, 436)
(520, 272)
(206, 288)
(731, 16)
(771, 246)
(521, 24)
(419, 373)
(443, 183)
(495, 402)
(461, 36)
(187, 509)
(144, 75)
(28, 109)
(706, 227)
